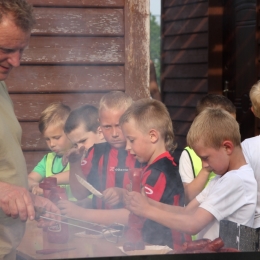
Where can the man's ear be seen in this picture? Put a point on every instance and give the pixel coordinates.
(100, 134)
(154, 135)
(229, 146)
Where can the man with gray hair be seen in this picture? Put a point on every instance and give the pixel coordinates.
(16, 203)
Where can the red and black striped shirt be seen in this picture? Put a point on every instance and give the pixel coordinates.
(162, 183)
(106, 167)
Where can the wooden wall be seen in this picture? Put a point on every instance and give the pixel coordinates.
(184, 61)
(78, 51)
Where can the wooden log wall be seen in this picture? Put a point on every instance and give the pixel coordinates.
(184, 61)
(79, 50)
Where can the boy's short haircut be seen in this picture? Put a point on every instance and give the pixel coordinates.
(215, 101)
(115, 100)
(87, 115)
(254, 95)
(21, 11)
(151, 114)
(55, 113)
(213, 126)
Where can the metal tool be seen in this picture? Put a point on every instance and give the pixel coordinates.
(89, 186)
(111, 233)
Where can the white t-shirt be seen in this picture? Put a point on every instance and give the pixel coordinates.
(251, 150)
(185, 167)
(231, 197)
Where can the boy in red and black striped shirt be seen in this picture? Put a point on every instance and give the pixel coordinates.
(147, 127)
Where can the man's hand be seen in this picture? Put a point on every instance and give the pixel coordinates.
(136, 202)
(113, 196)
(74, 155)
(16, 201)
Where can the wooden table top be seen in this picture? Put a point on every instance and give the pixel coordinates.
(91, 246)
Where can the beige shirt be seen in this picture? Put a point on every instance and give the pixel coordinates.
(12, 170)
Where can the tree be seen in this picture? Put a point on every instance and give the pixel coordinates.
(155, 45)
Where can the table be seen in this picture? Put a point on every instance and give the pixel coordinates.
(36, 239)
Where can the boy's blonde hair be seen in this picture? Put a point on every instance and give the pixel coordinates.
(117, 100)
(254, 95)
(55, 113)
(151, 114)
(213, 126)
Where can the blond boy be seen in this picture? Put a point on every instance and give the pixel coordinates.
(51, 124)
(148, 129)
(214, 136)
(251, 148)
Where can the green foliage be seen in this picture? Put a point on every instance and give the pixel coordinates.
(155, 45)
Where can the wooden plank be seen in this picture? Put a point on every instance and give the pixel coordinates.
(79, 21)
(29, 106)
(185, 41)
(171, 3)
(181, 141)
(74, 50)
(185, 56)
(186, 26)
(182, 100)
(186, 12)
(181, 128)
(78, 3)
(186, 71)
(32, 158)
(183, 114)
(215, 47)
(185, 85)
(35, 79)
(137, 34)
(32, 139)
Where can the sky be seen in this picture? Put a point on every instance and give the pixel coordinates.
(155, 7)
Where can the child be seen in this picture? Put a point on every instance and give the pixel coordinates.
(194, 176)
(82, 127)
(214, 136)
(51, 125)
(251, 148)
(105, 167)
(147, 127)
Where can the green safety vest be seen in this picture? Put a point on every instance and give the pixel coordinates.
(49, 162)
(197, 164)
(196, 167)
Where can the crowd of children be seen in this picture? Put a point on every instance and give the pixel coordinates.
(216, 178)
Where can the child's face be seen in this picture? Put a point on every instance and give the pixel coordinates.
(109, 123)
(56, 139)
(138, 143)
(80, 137)
(216, 160)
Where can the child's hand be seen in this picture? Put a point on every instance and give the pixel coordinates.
(136, 202)
(36, 190)
(74, 155)
(69, 208)
(113, 196)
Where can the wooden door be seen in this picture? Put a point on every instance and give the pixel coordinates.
(239, 68)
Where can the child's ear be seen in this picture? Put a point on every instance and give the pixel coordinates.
(154, 135)
(100, 135)
(229, 146)
(252, 109)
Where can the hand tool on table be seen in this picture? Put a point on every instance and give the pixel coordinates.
(116, 230)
